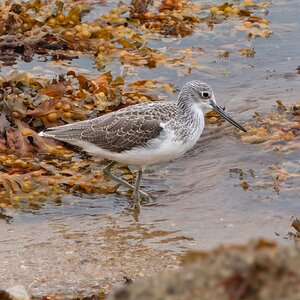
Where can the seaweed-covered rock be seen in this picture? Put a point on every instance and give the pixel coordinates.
(258, 270)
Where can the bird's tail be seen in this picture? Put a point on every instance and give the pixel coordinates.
(64, 133)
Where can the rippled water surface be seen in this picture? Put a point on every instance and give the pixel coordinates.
(91, 243)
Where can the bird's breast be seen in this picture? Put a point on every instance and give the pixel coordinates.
(188, 128)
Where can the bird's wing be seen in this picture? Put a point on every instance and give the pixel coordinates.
(121, 132)
(117, 131)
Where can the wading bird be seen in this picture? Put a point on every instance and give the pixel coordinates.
(144, 134)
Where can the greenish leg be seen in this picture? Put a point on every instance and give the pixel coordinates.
(135, 189)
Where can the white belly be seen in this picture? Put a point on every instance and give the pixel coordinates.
(160, 150)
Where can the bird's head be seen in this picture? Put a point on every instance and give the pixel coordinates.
(203, 96)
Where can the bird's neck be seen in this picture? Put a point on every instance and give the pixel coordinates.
(188, 111)
(190, 115)
(185, 103)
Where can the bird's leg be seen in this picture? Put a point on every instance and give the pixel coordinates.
(107, 172)
(136, 192)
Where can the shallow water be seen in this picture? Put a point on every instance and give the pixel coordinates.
(90, 243)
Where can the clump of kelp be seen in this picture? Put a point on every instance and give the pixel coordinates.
(55, 28)
(30, 104)
(36, 169)
(277, 131)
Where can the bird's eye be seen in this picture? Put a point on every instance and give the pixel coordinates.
(205, 95)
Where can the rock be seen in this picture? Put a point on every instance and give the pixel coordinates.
(260, 270)
(17, 292)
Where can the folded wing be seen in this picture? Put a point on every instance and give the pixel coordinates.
(114, 132)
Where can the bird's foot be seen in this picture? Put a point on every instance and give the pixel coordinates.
(138, 196)
(144, 196)
(137, 200)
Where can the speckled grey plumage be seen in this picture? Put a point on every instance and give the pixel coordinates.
(134, 126)
(118, 131)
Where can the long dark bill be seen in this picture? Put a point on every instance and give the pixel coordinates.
(221, 112)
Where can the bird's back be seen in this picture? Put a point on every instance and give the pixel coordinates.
(120, 130)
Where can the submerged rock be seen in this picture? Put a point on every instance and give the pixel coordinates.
(259, 270)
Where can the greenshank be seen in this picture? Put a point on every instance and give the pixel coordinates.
(144, 134)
